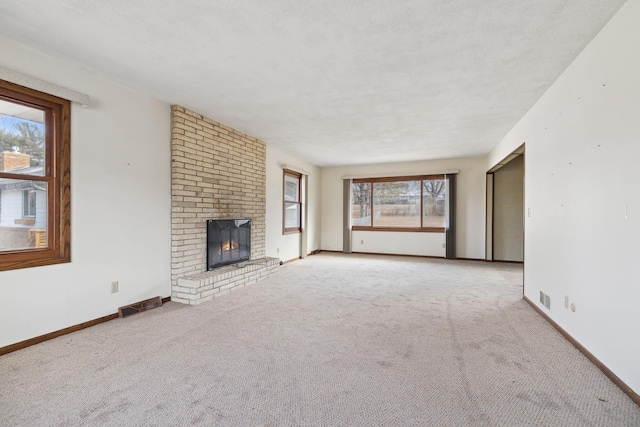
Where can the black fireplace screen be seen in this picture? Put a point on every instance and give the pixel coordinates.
(228, 242)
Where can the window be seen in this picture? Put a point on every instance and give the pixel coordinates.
(413, 203)
(292, 206)
(28, 203)
(34, 178)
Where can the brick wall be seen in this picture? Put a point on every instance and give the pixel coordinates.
(217, 173)
(10, 160)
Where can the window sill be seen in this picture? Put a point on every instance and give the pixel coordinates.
(32, 258)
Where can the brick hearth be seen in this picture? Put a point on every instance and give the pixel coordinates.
(208, 285)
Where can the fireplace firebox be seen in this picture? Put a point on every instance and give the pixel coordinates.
(228, 242)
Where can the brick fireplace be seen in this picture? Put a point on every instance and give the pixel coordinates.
(217, 173)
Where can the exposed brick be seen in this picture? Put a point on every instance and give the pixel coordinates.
(217, 172)
(176, 298)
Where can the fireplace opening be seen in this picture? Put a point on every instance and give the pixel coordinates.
(228, 242)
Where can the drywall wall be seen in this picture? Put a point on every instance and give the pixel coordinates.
(470, 209)
(508, 211)
(399, 243)
(581, 184)
(288, 246)
(120, 207)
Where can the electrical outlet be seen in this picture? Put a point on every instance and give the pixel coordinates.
(277, 250)
(566, 301)
(114, 287)
(362, 242)
(444, 246)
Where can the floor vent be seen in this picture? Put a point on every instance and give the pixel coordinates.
(545, 300)
(139, 307)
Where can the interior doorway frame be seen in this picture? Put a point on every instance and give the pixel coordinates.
(490, 204)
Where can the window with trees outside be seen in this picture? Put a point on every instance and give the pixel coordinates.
(34, 178)
(411, 203)
(292, 207)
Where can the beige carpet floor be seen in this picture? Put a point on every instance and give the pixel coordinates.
(332, 340)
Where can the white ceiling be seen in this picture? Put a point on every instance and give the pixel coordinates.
(332, 82)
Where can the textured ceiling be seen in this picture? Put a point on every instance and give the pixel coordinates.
(332, 82)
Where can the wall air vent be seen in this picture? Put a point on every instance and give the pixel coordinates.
(545, 300)
(139, 307)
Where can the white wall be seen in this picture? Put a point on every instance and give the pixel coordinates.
(41, 209)
(398, 243)
(11, 208)
(508, 211)
(581, 183)
(120, 207)
(287, 246)
(470, 210)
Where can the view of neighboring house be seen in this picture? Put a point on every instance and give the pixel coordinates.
(23, 204)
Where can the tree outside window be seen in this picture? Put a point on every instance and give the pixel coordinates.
(415, 203)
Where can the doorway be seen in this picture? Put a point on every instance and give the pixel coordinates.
(505, 209)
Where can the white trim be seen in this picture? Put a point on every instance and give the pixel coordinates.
(43, 86)
(391, 175)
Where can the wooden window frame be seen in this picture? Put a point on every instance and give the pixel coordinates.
(420, 178)
(298, 176)
(57, 176)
